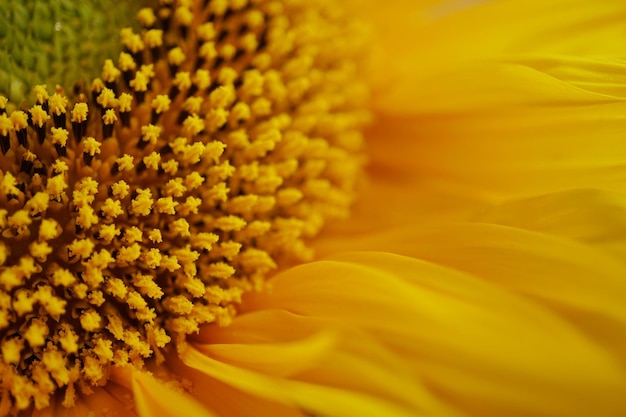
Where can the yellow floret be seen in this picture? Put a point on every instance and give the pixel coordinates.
(36, 333)
(161, 103)
(11, 350)
(109, 72)
(120, 189)
(90, 320)
(152, 161)
(57, 104)
(19, 120)
(63, 277)
(109, 117)
(59, 136)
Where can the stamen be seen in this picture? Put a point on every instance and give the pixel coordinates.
(58, 104)
(79, 120)
(109, 118)
(39, 117)
(239, 138)
(20, 123)
(6, 126)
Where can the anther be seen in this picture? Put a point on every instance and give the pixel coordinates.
(181, 82)
(127, 66)
(175, 57)
(96, 88)
(153, 38)
(149, 135)
(184, 17)
(41, 96)
(79, 120)
(20, 123)
(59, 140)
(125, 103)
(160, 104)
(133, 44)
(39, 117)
(140, 85)
(3, 105)
(110, 74)
(108, 121)
(58, 104)
(28, 160)
(91, 147)
(5, 128)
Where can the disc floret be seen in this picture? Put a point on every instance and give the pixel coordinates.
(221, 141)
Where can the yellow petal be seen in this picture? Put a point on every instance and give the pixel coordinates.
(601, 75)
(417, 40)
(356, 362)
(512, 154)
(491, 351)
(275, 359)
(583, 284)
(154, 398)
(226, 400)
(498, 84)
(589, 215)
(313, 398)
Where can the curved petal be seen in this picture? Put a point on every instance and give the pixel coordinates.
(583, 284)
(322, 399)
(589, 215)
(565, 130)
(488, 350)
(282, 359)
(510, 124)
(227, 400)
(417, 40)
(355, 363)
(509, 154)
(514, 83)
(544, 266)
(153, 398)
(599, 75)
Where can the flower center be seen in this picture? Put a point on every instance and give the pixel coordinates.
(58, 41)
(223, 139)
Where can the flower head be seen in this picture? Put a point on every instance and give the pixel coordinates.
(140, 216)
(203, 158)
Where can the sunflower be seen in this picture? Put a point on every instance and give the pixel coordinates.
(151, 218)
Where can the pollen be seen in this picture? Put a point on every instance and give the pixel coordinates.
(136, 212)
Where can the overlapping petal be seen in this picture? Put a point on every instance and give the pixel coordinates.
(479, 100)
(588, 215)
(467, 340)
(152, 397)
(352, 375)
(420, 39)
(495, 151)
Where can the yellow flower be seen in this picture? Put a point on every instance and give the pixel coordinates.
(481, 273)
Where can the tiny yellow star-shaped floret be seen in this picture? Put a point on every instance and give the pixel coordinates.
(90, 320)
